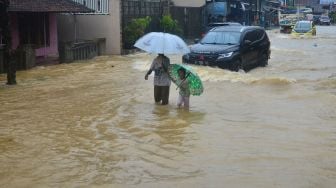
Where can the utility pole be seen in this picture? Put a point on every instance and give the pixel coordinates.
(6, 36)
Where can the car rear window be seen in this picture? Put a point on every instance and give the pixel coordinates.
(221, 37)
(215, 25)
(303, 25)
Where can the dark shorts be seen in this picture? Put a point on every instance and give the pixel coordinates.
(161, 94)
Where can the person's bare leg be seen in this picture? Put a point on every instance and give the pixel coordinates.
(186, 102)
(179, 101)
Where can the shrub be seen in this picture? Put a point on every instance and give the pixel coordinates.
(169, 25)
(134, 30)
(332, 16)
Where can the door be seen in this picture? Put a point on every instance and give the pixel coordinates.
(249, 48)
(262, 45)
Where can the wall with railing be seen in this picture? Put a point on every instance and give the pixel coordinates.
(88, 27)
(81, 50)
(100, 6)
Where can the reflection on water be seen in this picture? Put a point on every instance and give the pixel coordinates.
(95, 123)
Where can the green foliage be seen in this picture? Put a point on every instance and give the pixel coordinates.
(169, 25)
(332, 16)
(137, 28)
(134, 30)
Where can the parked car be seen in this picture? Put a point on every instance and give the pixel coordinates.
(304, 28)
(231, 47)
(288, 11)
(306, 10)
(324, 20)
(316, 19)
(218, 24)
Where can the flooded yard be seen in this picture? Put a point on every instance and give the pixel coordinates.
(95, 124)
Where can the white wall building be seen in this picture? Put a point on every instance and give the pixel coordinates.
(104, 23)
(189, 3)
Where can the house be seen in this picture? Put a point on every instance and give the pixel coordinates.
(108, 21)
(188, 3)
(269, 13)
(104, 22)
(318, 6)
(33, 27)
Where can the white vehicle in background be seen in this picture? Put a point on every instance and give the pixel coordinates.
(324, 20)
(310, 17)
(306, 10)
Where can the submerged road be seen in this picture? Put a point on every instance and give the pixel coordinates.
(95, 124)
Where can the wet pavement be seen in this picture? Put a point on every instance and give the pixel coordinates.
(95, 124)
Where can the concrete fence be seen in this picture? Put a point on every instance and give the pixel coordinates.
(190, 19)
(23, 56)
(81, 50)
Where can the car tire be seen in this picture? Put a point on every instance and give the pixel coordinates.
(237, 65)
(264, 60)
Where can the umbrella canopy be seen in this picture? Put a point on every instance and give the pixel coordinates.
(195, 83)
(162, 43)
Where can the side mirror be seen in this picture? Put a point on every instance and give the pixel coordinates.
(196, 41)
(247, 42)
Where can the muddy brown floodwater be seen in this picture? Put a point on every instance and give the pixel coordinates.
(94, 124)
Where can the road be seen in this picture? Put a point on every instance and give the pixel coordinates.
(95, 124)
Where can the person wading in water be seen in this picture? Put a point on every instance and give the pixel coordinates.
(161, 79)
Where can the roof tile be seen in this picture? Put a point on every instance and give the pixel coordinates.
(47, 6)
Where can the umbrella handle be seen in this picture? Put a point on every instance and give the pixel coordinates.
(183, 80)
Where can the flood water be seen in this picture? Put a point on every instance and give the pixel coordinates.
(95, 124)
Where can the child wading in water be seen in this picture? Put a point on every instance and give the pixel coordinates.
(184, 92)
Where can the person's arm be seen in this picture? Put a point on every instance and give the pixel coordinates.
(150, 69)
(148, 73)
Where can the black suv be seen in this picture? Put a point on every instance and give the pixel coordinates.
(218, 24)
(231, 47)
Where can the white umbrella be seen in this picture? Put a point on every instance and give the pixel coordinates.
(162, 43)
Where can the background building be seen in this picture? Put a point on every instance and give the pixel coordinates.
(104, 23)
(33, 27)
(108, 21)
(188, 3)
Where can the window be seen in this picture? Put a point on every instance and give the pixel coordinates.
(260, 34)
(34, 29)
(100, 6)
(251, 36)
(303, 25)
(215, 37)
(255, 35)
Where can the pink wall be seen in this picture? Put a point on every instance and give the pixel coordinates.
(15, 31)
(51, 50)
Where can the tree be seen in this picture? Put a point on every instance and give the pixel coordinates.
(134, 30)
(6, 35)
(169, 25)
